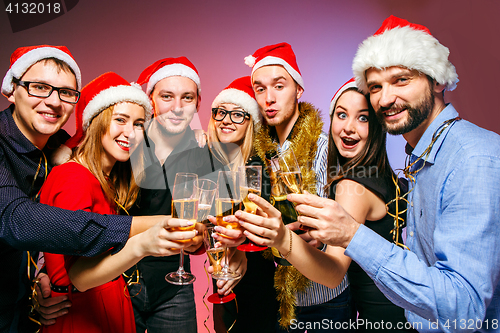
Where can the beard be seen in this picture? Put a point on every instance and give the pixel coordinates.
(417, 114)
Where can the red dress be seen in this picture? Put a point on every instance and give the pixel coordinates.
(106, 308)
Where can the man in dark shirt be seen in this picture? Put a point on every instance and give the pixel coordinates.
(170, 147)
(42, 84)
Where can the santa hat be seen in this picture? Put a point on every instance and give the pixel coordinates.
(278, 54)
(240, 92)
(104, 91)
(168, 67)
(349, 84)
(25, 57)
(401, 43)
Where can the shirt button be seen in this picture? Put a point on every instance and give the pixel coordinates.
(411, 233)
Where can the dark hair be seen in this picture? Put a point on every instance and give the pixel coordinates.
(372, 158)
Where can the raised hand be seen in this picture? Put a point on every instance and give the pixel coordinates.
(330, 223)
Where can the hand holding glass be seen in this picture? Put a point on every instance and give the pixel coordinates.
(227, 202)
(215, 255)
(250, 183)
(184, 206)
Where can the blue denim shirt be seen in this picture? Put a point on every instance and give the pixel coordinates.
(448, 281)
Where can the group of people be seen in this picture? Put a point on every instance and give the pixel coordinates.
(98, 204)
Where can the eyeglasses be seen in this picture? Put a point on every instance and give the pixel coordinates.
(39, 89)
(236, 116)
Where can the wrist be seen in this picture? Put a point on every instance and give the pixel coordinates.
(284, 242)
(353, 228)
(286, 253)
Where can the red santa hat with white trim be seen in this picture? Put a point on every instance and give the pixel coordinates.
(104, 91)
(167, 67)
(25, 57)
(240, 92)
(401, 43)
(277, 54)
(349, 84)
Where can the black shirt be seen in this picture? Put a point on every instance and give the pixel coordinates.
(370, 302)
(156, 199)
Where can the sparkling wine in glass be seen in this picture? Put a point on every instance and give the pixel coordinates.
(184, 206)
(206, 194)
(215, 256)
(286, 178)
(227, 202)
(250, 183)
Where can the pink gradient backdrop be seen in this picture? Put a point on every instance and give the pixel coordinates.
(126, 36)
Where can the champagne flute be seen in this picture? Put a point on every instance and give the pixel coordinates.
(184, 206)
(250, 182)
(206, 193)
(227, 202)
(290, 171)
(215, 255)
(286, 178)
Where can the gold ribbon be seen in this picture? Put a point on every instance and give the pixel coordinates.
(411, 176)
(305, 133)
(206, 306)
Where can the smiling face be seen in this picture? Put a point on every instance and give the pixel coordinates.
(349, 128)
(227, 131)
(36, 117)
(127, 122)
(403, 100)
(276, 93)
(175, 101)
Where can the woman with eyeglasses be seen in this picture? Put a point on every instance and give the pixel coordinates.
(235, 117)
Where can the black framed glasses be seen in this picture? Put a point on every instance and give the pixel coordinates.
(40, 89)
(236, 116)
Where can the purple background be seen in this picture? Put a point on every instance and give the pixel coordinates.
(127, 36)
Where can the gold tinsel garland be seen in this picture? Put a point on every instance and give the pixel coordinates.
(287, 279)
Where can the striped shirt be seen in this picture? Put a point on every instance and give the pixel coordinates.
(317, 293)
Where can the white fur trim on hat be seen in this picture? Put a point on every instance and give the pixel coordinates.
(28, 59)
(405, 47)
(242, 99)
(270, 60)
(173, 70)
(339, 93)
(112, 96)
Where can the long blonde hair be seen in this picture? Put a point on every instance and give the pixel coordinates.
(120, 186)
(246, 148)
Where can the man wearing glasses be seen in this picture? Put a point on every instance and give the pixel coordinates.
(42, 84)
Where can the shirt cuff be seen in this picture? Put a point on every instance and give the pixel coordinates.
(371, 258)
(118, 229)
